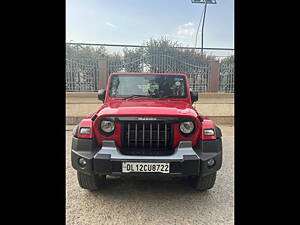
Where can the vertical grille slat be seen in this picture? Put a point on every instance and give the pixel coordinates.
(143, 135)
(146, 137)
(128, 132)
(158, 135)
(136, 135)
(150, 135)
(165, 135)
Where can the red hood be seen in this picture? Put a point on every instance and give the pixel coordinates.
(145, 107)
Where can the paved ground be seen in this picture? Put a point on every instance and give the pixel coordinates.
(134, 201)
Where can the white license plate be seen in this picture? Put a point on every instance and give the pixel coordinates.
(144, 167)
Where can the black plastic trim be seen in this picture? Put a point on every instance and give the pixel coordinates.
(169, 147)
(84, 144)
(212, 145)
(94, 117)
(218, 132)
(75, 156)
(200, 118)
(76, 130)
(209, 146)
(191, 164)
(204, 168)
(103, 164)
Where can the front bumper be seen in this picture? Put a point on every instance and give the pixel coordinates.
(107, 160)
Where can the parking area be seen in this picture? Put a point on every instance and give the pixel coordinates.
(153, 201)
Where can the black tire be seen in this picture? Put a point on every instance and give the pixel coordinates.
(91, 182)
(204, 183)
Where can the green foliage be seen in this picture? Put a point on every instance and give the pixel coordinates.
(131, 59)
(174, 57)
(174, 49)
(160, 55)
(85, 53)
(228, 59)
(116, 60)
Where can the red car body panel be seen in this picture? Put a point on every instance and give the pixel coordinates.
(148, 107)
(171, 107)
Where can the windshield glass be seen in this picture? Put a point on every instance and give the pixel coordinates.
(147, 85)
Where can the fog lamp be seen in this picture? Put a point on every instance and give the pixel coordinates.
(211, 162)
(82, 162)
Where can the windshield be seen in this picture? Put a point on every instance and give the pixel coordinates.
(168, 86)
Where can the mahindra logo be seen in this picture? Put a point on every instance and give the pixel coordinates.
(146, 118)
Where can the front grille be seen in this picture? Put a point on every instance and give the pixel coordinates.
(146, 138)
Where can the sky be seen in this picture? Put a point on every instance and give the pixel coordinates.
(136, 21)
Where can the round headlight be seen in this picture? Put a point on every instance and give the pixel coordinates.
(107, 126)
(187, 127)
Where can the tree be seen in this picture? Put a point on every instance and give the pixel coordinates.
(228, 59)
(167, 56)
(133, 59)
(85, 54)
(115, 63)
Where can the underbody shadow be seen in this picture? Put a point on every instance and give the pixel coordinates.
(148, 187)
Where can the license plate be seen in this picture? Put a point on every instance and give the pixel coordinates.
(141, 167)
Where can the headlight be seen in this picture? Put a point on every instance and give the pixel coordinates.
(209, 132)
(187, 127)
(107, 126)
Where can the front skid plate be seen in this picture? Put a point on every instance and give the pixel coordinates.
(109, 148)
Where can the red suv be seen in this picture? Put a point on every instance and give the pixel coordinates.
(147, 126)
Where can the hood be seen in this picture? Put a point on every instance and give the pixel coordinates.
(143, 107)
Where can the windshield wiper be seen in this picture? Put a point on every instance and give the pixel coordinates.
(140, 96)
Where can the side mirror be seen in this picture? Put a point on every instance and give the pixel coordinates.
(194, 96)
(101, 95)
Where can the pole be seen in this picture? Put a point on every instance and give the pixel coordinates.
(202, 34)
(198, 28)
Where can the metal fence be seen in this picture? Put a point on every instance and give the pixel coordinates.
(83, 67)
(226, 77)
(81, 77)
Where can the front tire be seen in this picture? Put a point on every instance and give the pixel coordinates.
(204, 183)
(91, 182)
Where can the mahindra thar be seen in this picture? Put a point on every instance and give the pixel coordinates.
(147, 126)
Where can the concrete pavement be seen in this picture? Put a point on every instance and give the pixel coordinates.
(153, 201)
